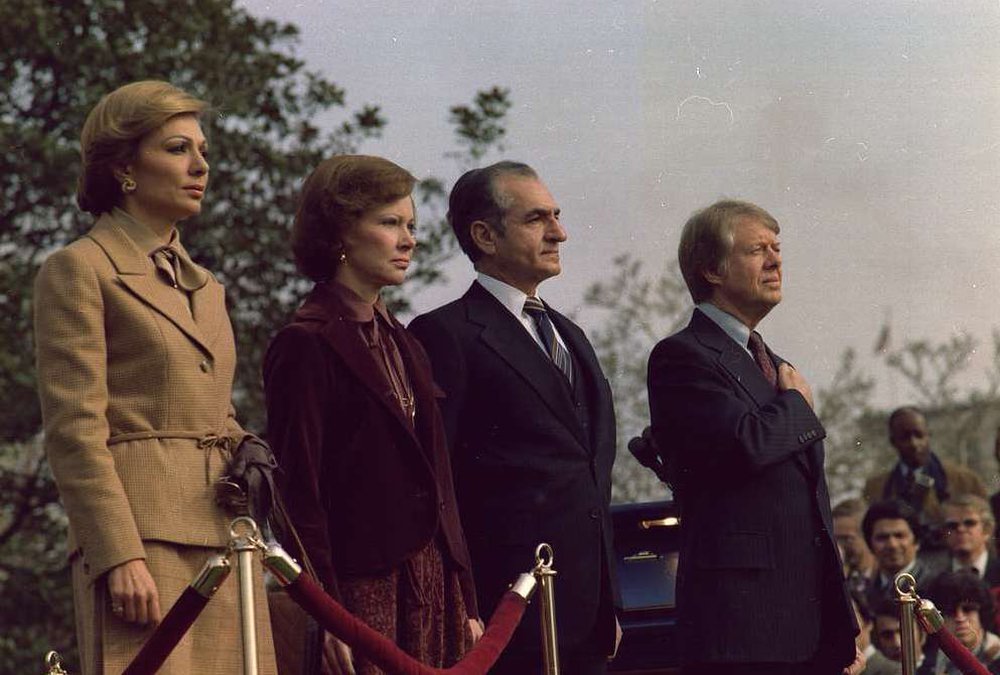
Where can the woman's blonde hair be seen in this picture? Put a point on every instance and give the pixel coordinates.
(113, 130)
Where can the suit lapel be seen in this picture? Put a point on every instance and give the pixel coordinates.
(342, 335)
(505, 335)
(733, 359)
(137, 273)
(208, 305)
(741, 367)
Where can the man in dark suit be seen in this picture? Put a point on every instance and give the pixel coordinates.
(891, 528)
(529, 419)
(920, 478)
(968, 530)
(759, 587)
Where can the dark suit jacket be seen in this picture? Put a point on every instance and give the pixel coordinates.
(759, 571)
(992, 574)
(364, 488)
(527, 468)
(926, 567)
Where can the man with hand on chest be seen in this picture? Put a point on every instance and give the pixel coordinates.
(759, 587)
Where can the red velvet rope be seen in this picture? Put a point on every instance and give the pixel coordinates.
(384, 653)
(166, 636)
(959, 654)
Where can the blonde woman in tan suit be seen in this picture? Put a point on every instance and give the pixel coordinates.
(135, 367)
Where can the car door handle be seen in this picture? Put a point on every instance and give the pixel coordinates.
(640, 556)
(667, 521)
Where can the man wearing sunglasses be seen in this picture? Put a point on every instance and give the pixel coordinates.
(968, 528)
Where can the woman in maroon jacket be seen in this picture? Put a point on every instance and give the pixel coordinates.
(353, 419)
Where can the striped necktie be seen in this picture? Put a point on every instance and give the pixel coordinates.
(559, 354)
(762, 358)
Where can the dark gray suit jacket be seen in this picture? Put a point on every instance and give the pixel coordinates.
(759, 578)
(529, 466)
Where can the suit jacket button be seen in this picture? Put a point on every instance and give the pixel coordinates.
(595, 514)
(204, 366)
(817, 541)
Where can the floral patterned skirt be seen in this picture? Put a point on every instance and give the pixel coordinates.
(418, 605)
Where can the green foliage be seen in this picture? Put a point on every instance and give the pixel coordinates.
(931, 370)
(638, 310)
(841, 406)
(480, 127)
(58, 60)
(61, 58)
(35, 594)
(961, 414)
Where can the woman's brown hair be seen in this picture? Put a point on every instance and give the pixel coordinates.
(335, 196)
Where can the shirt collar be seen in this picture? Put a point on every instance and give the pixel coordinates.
(508, 296)
(979, 563)
(733, 327)
(357, 308)
(140, 233)
(886, 580)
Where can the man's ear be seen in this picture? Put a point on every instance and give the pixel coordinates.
(713, 277)
(484, 236)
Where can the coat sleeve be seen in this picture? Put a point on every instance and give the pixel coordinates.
(233, 428)
(872, 491)
(299, 399)
(693, 404)
(71, 355)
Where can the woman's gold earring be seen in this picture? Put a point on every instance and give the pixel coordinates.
(128, 185)
(343, 257)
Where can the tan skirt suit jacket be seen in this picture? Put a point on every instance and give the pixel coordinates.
(135, 381)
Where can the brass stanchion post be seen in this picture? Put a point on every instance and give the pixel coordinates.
(245, 541)
(544, 558)
(907, 600)
(54, 664)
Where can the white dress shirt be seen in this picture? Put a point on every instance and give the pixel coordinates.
(513, 299)
(733, 327)
(979, 564)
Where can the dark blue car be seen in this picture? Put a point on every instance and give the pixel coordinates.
(647, 540)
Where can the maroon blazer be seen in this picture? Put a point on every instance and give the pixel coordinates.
(364, 488)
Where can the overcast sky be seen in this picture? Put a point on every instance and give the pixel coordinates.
(871, 130)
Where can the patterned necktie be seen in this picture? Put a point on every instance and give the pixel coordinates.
(168, 262)
(179, 271)
(760, 355)
(559, 355)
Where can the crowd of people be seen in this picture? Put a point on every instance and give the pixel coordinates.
(929, 518)
(420, 466)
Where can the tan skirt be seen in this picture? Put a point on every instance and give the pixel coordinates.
(213, 644)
